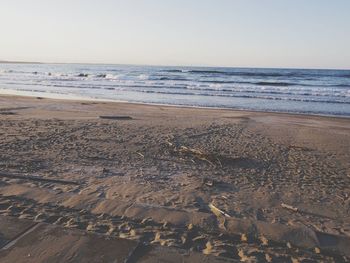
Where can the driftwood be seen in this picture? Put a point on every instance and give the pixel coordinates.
(198, 154)
(140, 154)
(14, 108)
(116, 117)
(7, 113)
(289, 207)
(301, 211)
(217, 211)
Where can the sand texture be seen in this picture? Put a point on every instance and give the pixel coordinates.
(237, 185)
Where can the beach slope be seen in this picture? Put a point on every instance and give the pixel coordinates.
(239, 185)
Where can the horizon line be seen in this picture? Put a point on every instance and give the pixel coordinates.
(160, 65)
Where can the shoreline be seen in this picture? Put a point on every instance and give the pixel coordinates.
(14, 93)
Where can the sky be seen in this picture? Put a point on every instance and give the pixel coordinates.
(237, 33)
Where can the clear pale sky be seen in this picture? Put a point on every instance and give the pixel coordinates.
(243, 33)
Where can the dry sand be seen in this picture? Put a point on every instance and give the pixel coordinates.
(249, 186)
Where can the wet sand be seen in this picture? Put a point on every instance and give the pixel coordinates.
(239, 185)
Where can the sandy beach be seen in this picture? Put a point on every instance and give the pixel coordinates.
(233, 185)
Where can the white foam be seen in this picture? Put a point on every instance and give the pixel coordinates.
(143, 77)
(112, 76)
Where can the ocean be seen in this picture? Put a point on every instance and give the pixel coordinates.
(323, 92)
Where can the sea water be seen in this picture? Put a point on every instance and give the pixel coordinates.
(325, 92)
